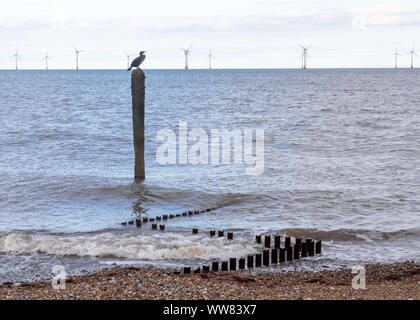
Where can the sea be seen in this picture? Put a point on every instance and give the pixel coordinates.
(341, 164)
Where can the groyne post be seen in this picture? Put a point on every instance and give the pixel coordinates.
(138, 94)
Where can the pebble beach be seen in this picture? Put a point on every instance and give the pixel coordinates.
(400, 281)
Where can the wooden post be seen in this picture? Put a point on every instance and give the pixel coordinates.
(304, 250)
(258, 239)
(296, 251)
(224, 266)
(212, 233)
(187, 270)
(287, 242)
(138, 223)
(282, 255)
(266, 257)
(318, 247)
(311, 249)
(289, 255)
(232, 263)
(215, 266)
(241, 264)
(195, 231)
(138, 94)
(250, 262)
(277, 242)
(221, 234)
(206, 269)
(258, 258)
(267, 241)
(274, 256)
(230, 236)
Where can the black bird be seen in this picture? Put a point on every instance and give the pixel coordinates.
(137, 61)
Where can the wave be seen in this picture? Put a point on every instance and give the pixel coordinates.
(354, 235)
(163, 246)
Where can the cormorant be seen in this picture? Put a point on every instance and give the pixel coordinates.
(137, 61)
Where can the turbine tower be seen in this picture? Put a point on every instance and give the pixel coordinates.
(46, 59)
(304, 56)
(77, 56)
(187, 53)
(16, 56)
(128, 59)
(413, 52)
(396, 58)
(210, 57)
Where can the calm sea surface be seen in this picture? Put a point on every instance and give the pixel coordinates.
(342, 164)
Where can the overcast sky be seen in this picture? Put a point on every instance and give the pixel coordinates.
(241, 33)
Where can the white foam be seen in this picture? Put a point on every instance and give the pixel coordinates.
(163, 246)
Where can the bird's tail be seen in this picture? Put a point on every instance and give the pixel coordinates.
(129, 69)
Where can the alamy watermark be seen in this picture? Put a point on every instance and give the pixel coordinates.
(58, 282)
(219, 147)
(359, 281)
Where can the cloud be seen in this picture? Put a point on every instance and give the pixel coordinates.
(384, 14)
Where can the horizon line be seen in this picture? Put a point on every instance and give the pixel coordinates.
(182, 69)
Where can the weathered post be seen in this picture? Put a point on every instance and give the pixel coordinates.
(267, 241)
(282, 255)
(232, 263)
(287, 242)
(289, 254)
(224, 266)
(266, 257)
(296, 251)
(241, 264)
(138, 94)
(277, 242)
(250, 262)
(258, 258)
(318, 247)
(304, 250)
(274, 256)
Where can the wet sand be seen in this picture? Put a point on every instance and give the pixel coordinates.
(396, 281)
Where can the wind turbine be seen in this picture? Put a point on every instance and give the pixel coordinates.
(210, 57)
(16, 56)
(305, 55)
(396, 58)
(128, 59)
(413, 52)
(77, 56)
(187, 53)
(46, 59)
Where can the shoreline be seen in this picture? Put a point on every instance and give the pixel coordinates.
(398, 281)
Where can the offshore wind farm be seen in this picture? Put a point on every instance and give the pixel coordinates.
(304, 56)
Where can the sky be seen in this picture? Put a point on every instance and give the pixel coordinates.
(240, 33)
